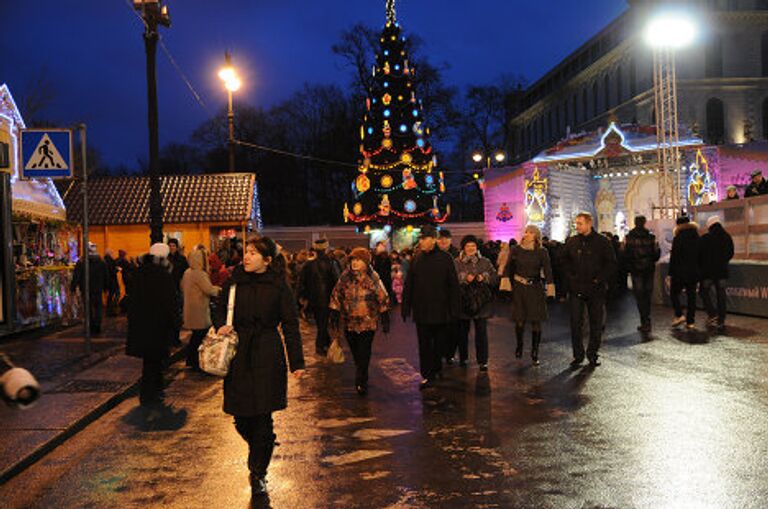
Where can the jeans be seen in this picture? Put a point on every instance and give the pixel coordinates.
(642, 287)
(432, 338)
(677, 286)
(360, 344)
(706, 296)
(481, 339)
(595, 307)
(258, 432)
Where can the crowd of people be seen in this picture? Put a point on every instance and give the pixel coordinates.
(447, 291)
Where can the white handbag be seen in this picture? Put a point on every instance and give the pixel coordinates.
(217, 350)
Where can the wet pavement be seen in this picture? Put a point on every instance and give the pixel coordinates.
(677, 420)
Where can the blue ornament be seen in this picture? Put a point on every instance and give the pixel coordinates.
(415, 113)
(397, 67)
(370, 130)
(387, 228)
(386, 52)
(386, 84)
(403, 128)
(387, 113)
(420, 143)
(374, 100)
(409, 206)
(430, 180)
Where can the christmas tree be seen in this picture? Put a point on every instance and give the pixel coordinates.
(398, 185)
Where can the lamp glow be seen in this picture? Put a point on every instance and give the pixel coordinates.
(226, 74)
(670, 30)
(500, 157)
(477, 157)
(234, 84)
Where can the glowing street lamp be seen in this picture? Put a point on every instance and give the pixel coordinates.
(498, 156)
(232, 83)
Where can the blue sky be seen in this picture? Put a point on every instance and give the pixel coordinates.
(93, 52)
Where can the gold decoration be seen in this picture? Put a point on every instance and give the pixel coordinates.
(357, 208)
(406, 158)
(386, 143)
(362, 183)
(387, 181)
(386, 99)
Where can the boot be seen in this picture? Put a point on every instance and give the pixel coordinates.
(258, 462)
(519, 350)
(535, 340)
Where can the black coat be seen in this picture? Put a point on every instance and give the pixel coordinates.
(257, 382)
(180, 266)
(152, 317)
(431, 289)
(111, 273)
(589, 264)
(756, 189)
(641, 251)
(715, 251)
(318, 277)
(97, 276)
(382, 264)
(684, 257)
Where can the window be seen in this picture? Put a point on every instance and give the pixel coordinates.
(765, 119)
(594, 99)
(714, 57)
(619, 91)
(574, 118)
(632, 78)
(549, 126)
(607, 92)
(584, 109)
(715, 122)
(764, 53)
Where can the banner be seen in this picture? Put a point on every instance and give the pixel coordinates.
(746, 289)
(504, 199)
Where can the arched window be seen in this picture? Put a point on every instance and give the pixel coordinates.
(764, 52)
(619, 86)
(715, 121)
(765, 118)
(714, 57)
(607, 92)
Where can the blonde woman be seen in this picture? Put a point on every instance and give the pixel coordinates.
(527, 262)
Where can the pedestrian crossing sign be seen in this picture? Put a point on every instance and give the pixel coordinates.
(46, 153)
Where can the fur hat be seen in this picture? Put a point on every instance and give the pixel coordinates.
(159, 250)
(320, 244)
(361, 254)
(712, 220)
(469, 239)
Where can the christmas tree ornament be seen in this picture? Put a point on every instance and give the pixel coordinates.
(386, 99)
(406, 158)
(409, 206)
(384, 207)
(408, 181)
(357, 208)
(363, 183)
(386, 181)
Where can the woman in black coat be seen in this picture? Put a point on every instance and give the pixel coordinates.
(257, 383)
(684, 270)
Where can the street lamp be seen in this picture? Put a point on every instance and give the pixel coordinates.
(667, 32)
(498, 156)
(232, 83)
(154, 14)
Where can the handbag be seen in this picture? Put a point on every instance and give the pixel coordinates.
(335, 352)
(505, 285)
(474, 296)
(217, 350)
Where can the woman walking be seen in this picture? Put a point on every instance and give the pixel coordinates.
(527, 261)
(357, 301)
(197, 289)
(477, 279)
(257, 384)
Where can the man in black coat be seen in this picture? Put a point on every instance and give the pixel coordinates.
(431, 293)
(758, 185)
(715, 251)
(589, 263)
(641, 252)
(97, 280)
(152, 324)
(111, 286)
(318, 277)
(179, 266)
(382, 264)
(684, 270)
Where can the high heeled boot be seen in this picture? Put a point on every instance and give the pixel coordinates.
(519, 333)
(535, 340)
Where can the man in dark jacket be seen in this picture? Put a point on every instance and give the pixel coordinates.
(152, 323)
(179, 266)
(445, 242)
(641, 252)
(431, 293)
(758, 185)
(111, 286)
(715, 251)
(97, 280)
(318, 277)
(589, 263)
(382, 264)
(684, 270)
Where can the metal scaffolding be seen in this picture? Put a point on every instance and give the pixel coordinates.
(667, 136)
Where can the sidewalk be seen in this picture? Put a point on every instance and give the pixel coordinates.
(77, 388)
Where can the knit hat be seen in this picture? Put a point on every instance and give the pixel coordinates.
(467, 239)
(683, 220)
(731, 187)
(320, 244)
(444, 233)
(159, 250)
(361, 254)
(428, 231)
(712, 220)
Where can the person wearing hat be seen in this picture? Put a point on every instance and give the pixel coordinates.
(641, 252)
(684, 270)
(256, 384)
(477, 279)
(731, 193)
(357, 301)
(757, 186)
(97, 280)
(316, 282)
(715, 252)
(431, 296)
(152, 325)
(445, 242)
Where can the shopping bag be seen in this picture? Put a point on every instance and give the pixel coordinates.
(217, 350)
(335, 352)
(505, 285)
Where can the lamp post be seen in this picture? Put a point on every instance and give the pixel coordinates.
(667, 32)
(232, 83)
(497, 156)
(154, 14)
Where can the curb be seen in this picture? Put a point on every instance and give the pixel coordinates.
(79, 425)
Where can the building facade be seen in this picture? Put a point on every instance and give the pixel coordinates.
(722, 80)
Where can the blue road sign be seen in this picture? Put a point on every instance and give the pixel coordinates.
(46, 153)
